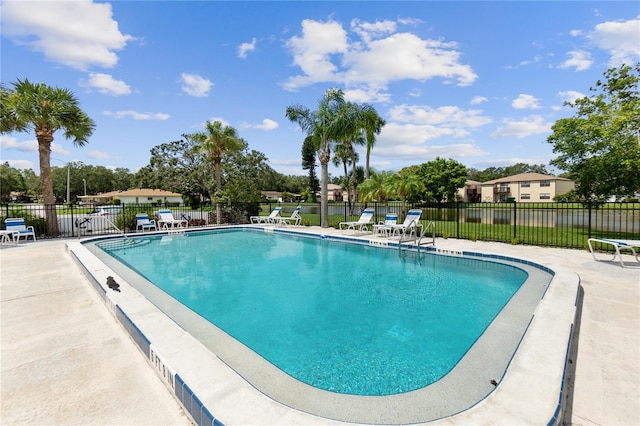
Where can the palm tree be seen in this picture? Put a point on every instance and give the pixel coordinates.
(372, 124)
(44, 109)
(218, 140)
(405, 183)
(329, 123)
(345, 154)
(377, 188)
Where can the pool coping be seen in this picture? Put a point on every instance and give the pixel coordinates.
(169, 348)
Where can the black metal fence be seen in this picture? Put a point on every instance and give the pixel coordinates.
(543, 224)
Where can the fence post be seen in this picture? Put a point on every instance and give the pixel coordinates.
(515, 224)
(589, 221)
(458, 204)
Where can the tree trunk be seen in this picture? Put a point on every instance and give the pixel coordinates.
(218, 188)
(324, 156)
(46, 183)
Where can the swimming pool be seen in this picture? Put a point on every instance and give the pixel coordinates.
(465, 385)
(338, 316)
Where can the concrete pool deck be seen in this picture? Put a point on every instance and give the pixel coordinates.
(53, 322)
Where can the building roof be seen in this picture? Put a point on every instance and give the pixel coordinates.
(525, 177)
(146, 192)
(138, 192)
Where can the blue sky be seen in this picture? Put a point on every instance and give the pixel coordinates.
(478, 82)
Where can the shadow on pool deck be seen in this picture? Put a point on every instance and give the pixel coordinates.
(65, 360)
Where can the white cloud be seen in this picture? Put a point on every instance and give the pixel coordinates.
(78, 34)
(267, 124)
(138, 115)
(312, 52)
(106, 84)
(477, 100)
(369, 30)
(195, 85)
(570, 95)
(362, 95)
(620, 39)
(525, 102)
(224, 122)
(20, 164)
(245, 48)
(578, 59)
(527, 126)
(325, 53)
(446, 116)
(10, 143)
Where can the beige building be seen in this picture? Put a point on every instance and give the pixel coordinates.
(525, 187)
(471, 192)
(134, 196)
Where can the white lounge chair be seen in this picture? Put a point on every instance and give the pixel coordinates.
(410, 224)
(19, 229)
(384, 228)
(294, 219)
(617, 245)
(167, 221)
(359, 225)
(143, 223)
(266, 219)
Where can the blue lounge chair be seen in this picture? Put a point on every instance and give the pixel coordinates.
(267, 219)
(384, 228)
(359, 225)
(618, 245)
(143, 223)
(166, 220)
(410, 224)
(18, 229)
(294, 219)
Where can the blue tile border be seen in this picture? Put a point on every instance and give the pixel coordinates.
(200, 414)
(135, 333)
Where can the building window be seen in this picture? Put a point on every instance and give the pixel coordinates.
(149, 198)
(525, 196)
(544, 183)
(525, 184)
(545, 196)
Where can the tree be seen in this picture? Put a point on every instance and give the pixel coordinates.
(44, 109)
(372, 124)
(442, 179)
(178, 166)
(309, 163)
(378, 187)
(329, 123)
(217, 141)
(10, 180)
(405, 183)
(599, 146)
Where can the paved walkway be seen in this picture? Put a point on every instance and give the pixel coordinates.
(65, 360)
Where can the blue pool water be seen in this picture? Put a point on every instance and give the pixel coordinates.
(342, 317)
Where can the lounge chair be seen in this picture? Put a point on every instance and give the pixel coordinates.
(359, 225)
(166, 220)
(294, 219)
(410, 224)
(617, 245)
(266, 219)
(18, 229)
(143, 223)
(384, 228)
